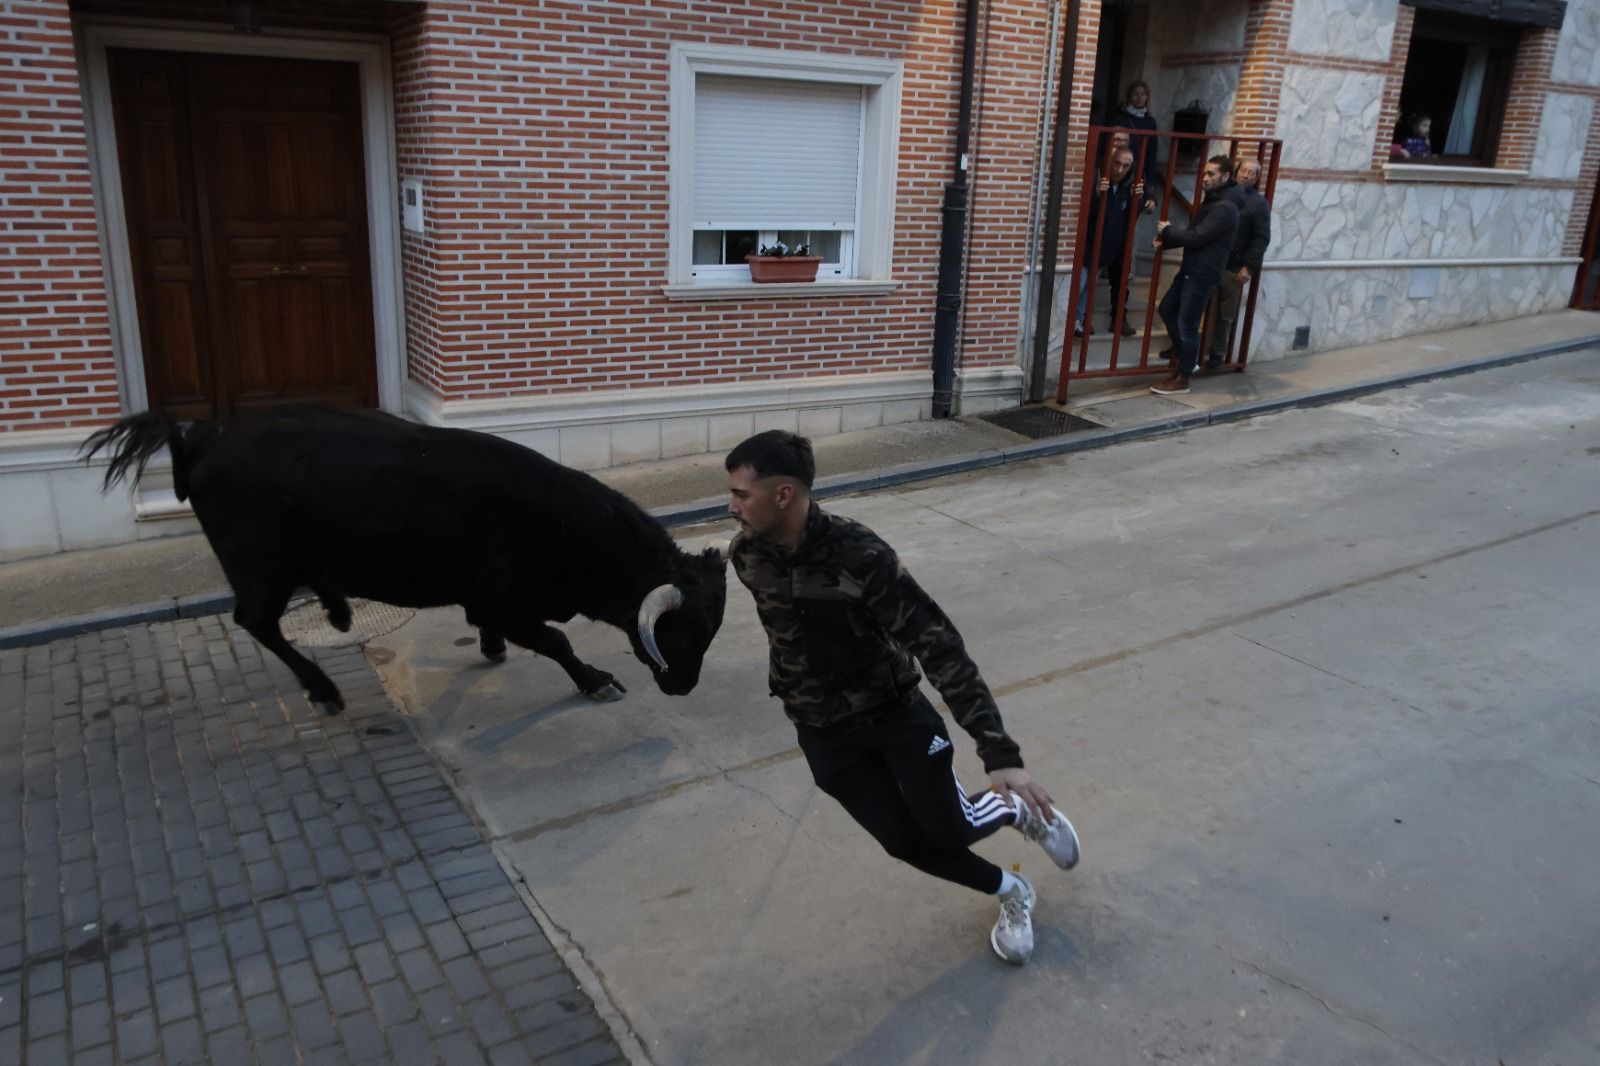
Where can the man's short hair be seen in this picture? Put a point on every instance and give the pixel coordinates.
(1118, 153)
(1224, 164)
(776, 453)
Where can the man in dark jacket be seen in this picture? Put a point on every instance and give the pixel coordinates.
(1250, 242)
(1119, 191)
(847, 626)
(1206, 242)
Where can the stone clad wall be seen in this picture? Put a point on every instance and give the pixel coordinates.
(1337, 211)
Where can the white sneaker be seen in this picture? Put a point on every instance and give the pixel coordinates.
(1058, 839)
(1012, 936)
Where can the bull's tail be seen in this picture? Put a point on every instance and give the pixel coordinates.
(133, 441)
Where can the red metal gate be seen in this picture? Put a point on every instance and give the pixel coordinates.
(1192, 149)
(1584, 295)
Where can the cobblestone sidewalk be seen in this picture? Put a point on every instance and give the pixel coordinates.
(195, 866)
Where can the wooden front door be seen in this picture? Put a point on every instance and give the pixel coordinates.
(243, 184)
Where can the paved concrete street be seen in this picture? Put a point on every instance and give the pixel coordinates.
(196, 867)
(1319, 690)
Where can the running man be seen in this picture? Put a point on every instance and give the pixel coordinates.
(847, 627)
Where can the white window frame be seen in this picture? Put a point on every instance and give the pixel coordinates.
(873, 239)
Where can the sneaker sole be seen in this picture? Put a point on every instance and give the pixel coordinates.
(1077, 846)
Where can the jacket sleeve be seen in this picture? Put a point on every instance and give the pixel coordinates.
(1260, 236)
(919, 625)
(1217, 224)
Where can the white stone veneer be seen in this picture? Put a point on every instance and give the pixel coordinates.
(1357, 29)
(1578, 48)
(1346, 307)
(1328, 119)
(1374, 220)
(1563, 132)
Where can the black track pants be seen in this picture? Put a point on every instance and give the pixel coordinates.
(897, 779)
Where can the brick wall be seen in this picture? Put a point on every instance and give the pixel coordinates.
(1394, 77)
(541, 136)
(1266, 51)
(543, 143)
(1530, 84)
(56, 365)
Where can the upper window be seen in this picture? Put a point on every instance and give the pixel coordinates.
(770, 147)
(1453, 96)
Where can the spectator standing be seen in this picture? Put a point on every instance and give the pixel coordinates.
(1118, 191)
(1135, 115)
(1206, 242)
(1250, 241)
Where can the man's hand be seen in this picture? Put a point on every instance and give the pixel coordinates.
(1149, 206)
(1244, 275)
(1016, 780)
(1105, 183)
(1161, 227)
(1138, 190)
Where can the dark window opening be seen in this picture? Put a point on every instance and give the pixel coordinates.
(1457, 79)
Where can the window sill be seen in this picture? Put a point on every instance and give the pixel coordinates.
(1448, 175)
(750, 290)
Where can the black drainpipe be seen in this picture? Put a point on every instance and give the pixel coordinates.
(1052, 213)
(947, 308)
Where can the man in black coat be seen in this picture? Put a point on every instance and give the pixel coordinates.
(1206, 242)
(1250, 242)
(1119, 191)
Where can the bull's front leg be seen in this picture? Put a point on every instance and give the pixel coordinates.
(552, 644)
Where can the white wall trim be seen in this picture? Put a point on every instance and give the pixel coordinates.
(784, 289)
(1447, 175)
(371, 56)
(40, 450)
(1396, 264)
(880, 135)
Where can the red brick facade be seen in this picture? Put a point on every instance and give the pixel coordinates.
(56, 367)
(541, 138)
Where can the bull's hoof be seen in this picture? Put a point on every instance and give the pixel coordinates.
(492, 647)
(609, 693)
(328, 708)
(339, 617)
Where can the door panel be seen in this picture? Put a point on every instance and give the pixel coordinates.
(251, 180)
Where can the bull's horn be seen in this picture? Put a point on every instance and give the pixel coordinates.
(662, 598)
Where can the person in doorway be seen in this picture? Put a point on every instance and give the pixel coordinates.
(1135, 115)
(1206, 242)
(1119, 191)
(847, 626)
(1250, 241)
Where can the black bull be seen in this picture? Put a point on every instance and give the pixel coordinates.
(358, 503)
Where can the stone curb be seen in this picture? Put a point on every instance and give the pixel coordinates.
(716, 507)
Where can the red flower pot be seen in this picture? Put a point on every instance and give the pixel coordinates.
(765, 269)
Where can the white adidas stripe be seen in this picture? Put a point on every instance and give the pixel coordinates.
(990, 807)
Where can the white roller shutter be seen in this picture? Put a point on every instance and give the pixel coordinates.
(771, 153)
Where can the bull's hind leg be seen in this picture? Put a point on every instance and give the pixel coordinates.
(492, 644)
(257, 611)
(552, 644)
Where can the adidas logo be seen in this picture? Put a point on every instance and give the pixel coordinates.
(938, 745)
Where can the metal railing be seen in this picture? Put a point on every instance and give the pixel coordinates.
(1191, 149)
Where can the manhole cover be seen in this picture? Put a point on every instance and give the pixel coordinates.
(1038, 422)
(306, 623)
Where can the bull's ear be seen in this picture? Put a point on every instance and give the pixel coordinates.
(719, 549)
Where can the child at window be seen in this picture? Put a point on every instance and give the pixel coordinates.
(1415, 146)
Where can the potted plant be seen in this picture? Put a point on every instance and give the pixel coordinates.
(779, 262)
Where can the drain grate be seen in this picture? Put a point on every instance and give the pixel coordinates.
(1038, 422)
(306, 623)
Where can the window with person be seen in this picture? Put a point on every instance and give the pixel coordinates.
(1453, 96)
